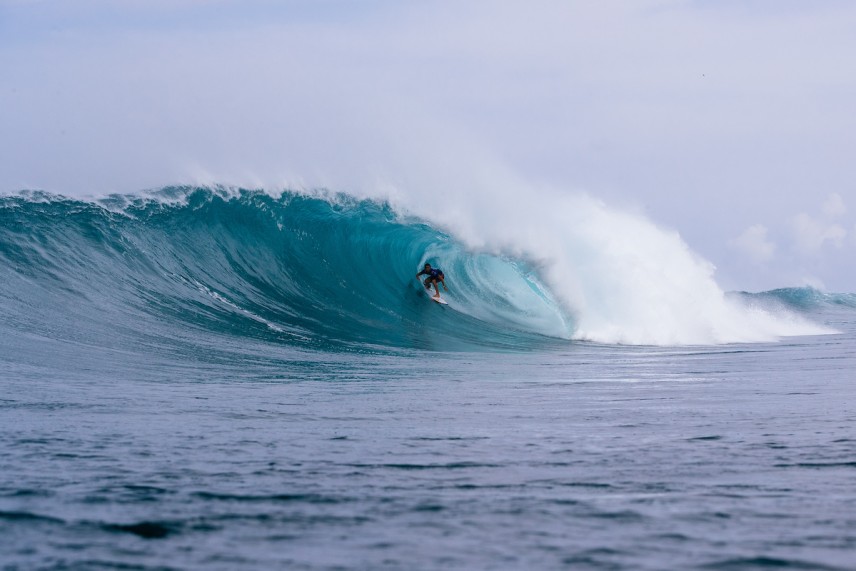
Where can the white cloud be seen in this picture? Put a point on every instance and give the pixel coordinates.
(753, 242)
(811, 235)
(814, 233)
(833, 206)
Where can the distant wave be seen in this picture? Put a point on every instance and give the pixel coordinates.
(805, 299)
(326, 271)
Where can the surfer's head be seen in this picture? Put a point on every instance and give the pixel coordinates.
(427, 266)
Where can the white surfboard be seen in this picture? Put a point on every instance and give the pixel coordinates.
(439, 300)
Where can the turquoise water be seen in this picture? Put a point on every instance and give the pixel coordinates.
(211, 380)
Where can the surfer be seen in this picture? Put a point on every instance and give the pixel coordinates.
(435, 276)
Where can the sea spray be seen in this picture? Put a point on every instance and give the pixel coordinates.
(622, 278)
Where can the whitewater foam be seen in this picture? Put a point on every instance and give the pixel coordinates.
(620, 277)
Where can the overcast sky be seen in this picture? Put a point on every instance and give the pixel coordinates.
(732, 122)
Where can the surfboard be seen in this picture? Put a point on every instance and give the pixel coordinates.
(439, 300)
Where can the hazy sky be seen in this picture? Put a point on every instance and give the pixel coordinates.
(732, 122)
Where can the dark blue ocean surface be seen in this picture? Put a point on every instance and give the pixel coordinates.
(171, 398)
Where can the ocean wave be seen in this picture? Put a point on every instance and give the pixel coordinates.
(185, 265)
(311, 271)
(802, 298)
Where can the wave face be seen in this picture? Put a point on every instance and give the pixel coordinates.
(185, 267)
(297, 270)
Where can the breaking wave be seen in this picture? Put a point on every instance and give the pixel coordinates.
(323, 271)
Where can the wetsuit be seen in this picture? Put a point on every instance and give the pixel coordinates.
(433, 273)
